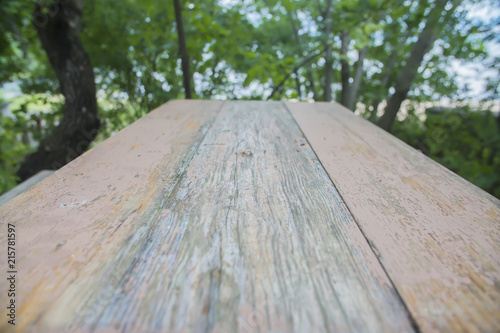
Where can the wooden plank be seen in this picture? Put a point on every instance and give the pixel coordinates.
(437, 235)
(250, 235)
(72, 223)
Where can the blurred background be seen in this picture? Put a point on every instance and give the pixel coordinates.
(428, 71)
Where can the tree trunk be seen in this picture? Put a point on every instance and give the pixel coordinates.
(310, 76)
(384, 83)
(297, 84)
(312, 86)
(328, 52)
(58, 32)
(345, 70)
(357, 77)
(182, 49)
(409, 72)
(350, 90)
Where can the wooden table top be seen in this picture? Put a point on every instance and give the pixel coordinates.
(212, 216)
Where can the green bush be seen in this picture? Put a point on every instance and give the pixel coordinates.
(466, 142)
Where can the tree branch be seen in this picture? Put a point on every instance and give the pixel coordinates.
(304, 62)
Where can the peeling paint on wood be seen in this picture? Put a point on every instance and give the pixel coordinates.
(218, 216)
(437, 235)
(189, 220)
(72, 223)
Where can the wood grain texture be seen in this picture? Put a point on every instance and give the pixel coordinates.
(437, 235)
(232, 226)
(71, 224)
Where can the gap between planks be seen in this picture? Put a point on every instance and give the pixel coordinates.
(305, 264)
(436, 234)
(413, 322)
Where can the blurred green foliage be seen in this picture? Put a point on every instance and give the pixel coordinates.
(464, 141)
(32, 117)
(244, 49)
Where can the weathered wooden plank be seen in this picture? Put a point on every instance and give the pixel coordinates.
(248, 235)
(71, 224)
(437, 235)
(254, 238)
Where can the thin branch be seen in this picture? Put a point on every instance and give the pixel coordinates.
(299, 42)
(294, 69)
